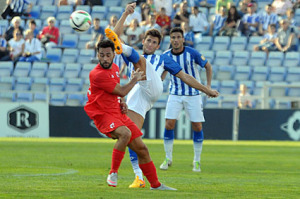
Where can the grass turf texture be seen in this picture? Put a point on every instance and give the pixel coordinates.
(77, 168)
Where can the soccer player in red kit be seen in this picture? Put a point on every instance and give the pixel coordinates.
(106, 107)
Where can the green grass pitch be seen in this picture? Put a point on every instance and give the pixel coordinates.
(78, 167)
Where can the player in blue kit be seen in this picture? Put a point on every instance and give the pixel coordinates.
(142, 97)
(182, 95)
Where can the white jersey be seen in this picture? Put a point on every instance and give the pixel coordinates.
(190, 60)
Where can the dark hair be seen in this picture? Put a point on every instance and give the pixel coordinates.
(273, 25)
(176, 29)
(196, 8)
(105, 43)
(32, 21)
(235, 16)
(96, 19)
(153, 33)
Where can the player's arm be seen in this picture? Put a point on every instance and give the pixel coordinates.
(124, 90)
(118, 29)
(208, 69)
(123, 105)
(163, 75)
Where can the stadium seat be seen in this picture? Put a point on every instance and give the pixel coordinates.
(215, 84)
(86, 55)
(57, 84)
(85, 85)
(48, 11)
(242, 73)
(69, 41)
(293, 74)
(55, 70)
(4, 24)
(254, 40)
(24, 97)
(74, 84)
(65, 28)
(6, 68)
(228, 87)
(64, 12)
(203, 43)
(277, 74)
(83, 7)
(54, 54)
(40, 97)
(35, 12)
(23, 83)
(209, 55)
(72, 70)
(249, 84)
(282, 104)
(223, 58)
(278, 91)
(291, 59)
(213, 103)
(75, 100)
(114, 10)
(70, 55)
(22, 69)
(165, 44)
(238, 43)
(7, 83)
(258, 88)
(38, 69)
(7, 97)
(257, 58)
(83, 39)
(221, 43)
(109, 3)
(99, 11)
(275, 59)
(260, 73)
(297, 14)
(240, 58)
(229, 102)
(86, 69)
(294, 91)
(224, 73)
(45, 3)
(58, 99)
(39, 84)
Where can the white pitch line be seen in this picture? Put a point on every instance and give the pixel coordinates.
(68, 172)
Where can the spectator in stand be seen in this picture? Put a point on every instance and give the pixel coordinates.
(281, 6)
(188, 35)
(296, 4)
(3, 45)
(198, 22)
(16, 21)
(50, 34)
(250, 22)
(112, 22)
(152, 23)
(33, 48)
(135, 15)
(232, 22)
(267, 18)
(16, 47)
(145, 9)
(134, 34)
(225, 3)
(244, 100)
(182, 16)
(175, 9)
(167, 4)
(267, 44)
(290, 16)
(97, 33)
(16, 8)
(286, 38)
(70, 2)
(219, 23)
(93, 2)
(32, 27)
(242, 10)
(163, 21)
(152, 6)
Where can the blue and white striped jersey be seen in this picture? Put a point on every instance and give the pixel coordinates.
(18, 5)
(160, 64)
(190, 60)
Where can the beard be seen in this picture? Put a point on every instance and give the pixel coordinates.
(105, 65)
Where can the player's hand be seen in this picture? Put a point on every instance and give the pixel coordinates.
(130, 8)
(124, 107)
(138, 75)
(212, 93)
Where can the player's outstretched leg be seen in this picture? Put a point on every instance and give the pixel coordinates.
(139, 181)
(168, 145)
(198, 141)
(110, 34)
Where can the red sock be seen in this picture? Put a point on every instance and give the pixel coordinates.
(117, 157)
(149, 171)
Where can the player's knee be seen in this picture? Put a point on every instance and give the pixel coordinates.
(170, 125)
(126, 135)
(197, 126)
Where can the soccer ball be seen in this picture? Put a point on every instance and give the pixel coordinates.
(80, 20)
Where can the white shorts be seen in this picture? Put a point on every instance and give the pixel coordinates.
(192, 105)
(145, 93)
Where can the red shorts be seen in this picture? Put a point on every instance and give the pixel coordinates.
(107, 123)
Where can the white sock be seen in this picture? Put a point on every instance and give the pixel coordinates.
(168, 144)
(136, 169)
(127, 50)
(197, 151)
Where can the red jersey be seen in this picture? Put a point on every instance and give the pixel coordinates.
(163, 20)
(53, 31)
(100, 98)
